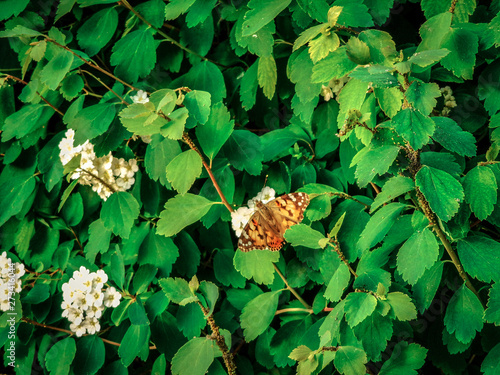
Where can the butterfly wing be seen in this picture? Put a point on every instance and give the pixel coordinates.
(268, 224)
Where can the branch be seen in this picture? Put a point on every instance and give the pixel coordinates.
(291, 289)
(219, 339)
(336, 247)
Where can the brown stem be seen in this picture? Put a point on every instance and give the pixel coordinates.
(41, 97)
(95, 66)
(107, 87)
(221, 343)
(193, 147)
(347, 196)
(168, 38)
(336, 247)
(76, 238)
(375, 187)
(291, 289)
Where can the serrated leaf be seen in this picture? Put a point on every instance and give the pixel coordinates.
(401, 306)
(13, 194)
(393, 188)
(178, 290)
(358, 306)
(303, 235)
(426, 58)
(414, 127)
(336, 65)
(443, 192)
(358, 51)
(194, 357)
(378, 76)
(98, 30)
(421, 96)
(58, 359)
(216, 131)
(261, 13)
(378, 225)
(183, 170)
(425, 289)
(492, 313)
(198, 104)
(256, 264)
(243, 150)
(267, 75)
(480, 187)
(134, 55)
(417, 254)
(374, 161)
(248, 87)
(92, 121)
(479, 257)
(350, 360)
(374, 332)
(181, 211)
(463, 46)
(320, 47)
(119, 212)
(405, 359)
(306, 36)
(338, 283)
(491, 364)
(453, 138)
(258, 314)
(300, 353)
(464, 315)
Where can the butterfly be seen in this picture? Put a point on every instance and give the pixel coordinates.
(268, 224)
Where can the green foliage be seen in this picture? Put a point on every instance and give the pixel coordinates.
(180, 112)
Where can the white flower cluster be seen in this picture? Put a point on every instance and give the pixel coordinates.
(10, 280)
(449, 100)
(333, 88)
(106, 174)
(84, 300)
(240, 217)
(142, 98)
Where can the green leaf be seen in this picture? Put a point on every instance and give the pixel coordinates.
(181, 211)
(350, 360)
(390, 100)
(183, 170)
(358, 306)
(159, 251)
(14, 193)
(178, 291)
(464, 315)
(216, 131)
(374, 332)
(258, 314)
(267, 75)
(351, 97)
(443, 192)
(376, 75)
(92, 121)
(89, 355)
(99, 240)
(491, 364)
(177, 7)
(134, 341)
(143, 277)
(244, 151)
(248, 87)
(338, 283)
(393, 188)
(158, 155)
(401, 306)
(379, 225)
(358, 51)
(278, 141)
(211, 293)
(405, 359)
(224, 269)
(426, 58)
(12, 8)
(421, 96)
(194, 357)
(417, 254)
(53, 73)
(463, 45)
(261, 13)
(303, 235)
(320, 47)
(414, 127)
(435, 28)
(22, 122)
(198, 104)
(256, 264)
(374, 161)
(206, 76)
(479, 257)
(453, 138)
(134, 55)
(58, 359)
(492, 313)
(98, 30)
(336, 65)
(306, 36)
(480, 186)
(425, 289)
(119, 212)
(300, 353)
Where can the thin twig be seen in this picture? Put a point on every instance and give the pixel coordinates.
(336, 247)
(291, 289)
(293, 309)
(102, 83)
(41, 97)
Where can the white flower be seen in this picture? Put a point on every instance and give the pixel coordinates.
(326, 92)
(265, 195)
(141, 97)
(79, 329)
(92, 325)
(99, 279)
(111, 297)
(19, 270)
(75, 315)
(239, 219)
(4, 304)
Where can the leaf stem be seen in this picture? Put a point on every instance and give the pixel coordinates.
(291, 289)
(41, 97)
(221, 342)
(336, 247)
(107, 87)
(168, 38)
(193, 147)
(293, 309)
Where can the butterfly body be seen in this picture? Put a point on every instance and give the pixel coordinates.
(267, 226)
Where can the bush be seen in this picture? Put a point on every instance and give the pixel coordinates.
(139, 141)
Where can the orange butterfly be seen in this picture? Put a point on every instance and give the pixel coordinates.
(268, 224)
